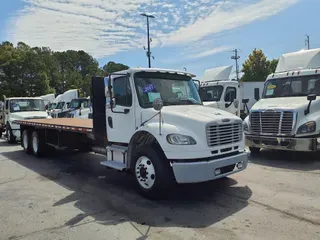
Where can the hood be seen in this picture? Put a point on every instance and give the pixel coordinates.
(29, 115)
(190, 114)
(289, 103)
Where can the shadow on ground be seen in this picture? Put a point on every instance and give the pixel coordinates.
(110, 197)
(302, 161)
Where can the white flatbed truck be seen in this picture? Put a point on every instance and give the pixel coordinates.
(145, 127)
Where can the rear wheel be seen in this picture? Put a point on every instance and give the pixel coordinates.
(254, 150)
(25, 141)
(37, 143)
(152, 172)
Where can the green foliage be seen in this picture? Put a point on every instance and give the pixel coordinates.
(26, 71)
(112, 67)
(256, 68)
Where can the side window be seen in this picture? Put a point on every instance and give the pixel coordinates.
(122, 91)
(7, 105)
(231, 94)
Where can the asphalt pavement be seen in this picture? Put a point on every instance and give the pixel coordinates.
(71, 196)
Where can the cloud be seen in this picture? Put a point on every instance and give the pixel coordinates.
(210, 52)
(107, 27)
(228, 15)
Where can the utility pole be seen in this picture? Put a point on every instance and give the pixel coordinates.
(148, 36)
(236, 58)
(307, 41)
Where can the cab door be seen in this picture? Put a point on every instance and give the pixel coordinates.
(231, 100)
(121, 123)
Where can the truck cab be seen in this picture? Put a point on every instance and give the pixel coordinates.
(79, 108)
(224, 95)
(63, 103)
(287, 117)
(20, 108)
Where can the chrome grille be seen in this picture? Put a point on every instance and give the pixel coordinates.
(224, 134)
(272, 122)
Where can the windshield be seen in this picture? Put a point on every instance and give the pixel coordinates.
(211, 93)
(60, 105)
(52, 106)
(76, 103)
(26, 105)
(292, 87)
(173, 89)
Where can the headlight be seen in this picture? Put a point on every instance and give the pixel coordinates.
(308, 127)
(178, 139)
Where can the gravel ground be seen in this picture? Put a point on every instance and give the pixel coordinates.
(70, 196)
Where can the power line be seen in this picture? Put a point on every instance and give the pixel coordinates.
(307, 41)
(236, 57)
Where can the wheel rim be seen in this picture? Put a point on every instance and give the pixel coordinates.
(35, 144)
(145, 172)
(25, 140)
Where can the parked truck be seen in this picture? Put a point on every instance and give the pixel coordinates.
(219, 91)
(142, 126)
(17, 108)
(287, 117)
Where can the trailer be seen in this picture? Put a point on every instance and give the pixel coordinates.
(143, 126)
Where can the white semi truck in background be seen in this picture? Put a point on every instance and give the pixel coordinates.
(144, 126)
(219, 91)
(287, 117)
(63, 104)
(18, 108)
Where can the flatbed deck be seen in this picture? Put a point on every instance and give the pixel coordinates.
(68, 124)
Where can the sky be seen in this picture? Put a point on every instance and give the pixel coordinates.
(196, 35)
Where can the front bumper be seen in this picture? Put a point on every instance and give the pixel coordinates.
(278, 143)
(203, 171)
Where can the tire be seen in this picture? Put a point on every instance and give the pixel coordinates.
(37, 144)
(10, 137)
(152, 172)
(25, 142)
(0, 132)
(254, 150)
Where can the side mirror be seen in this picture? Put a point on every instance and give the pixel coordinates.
(245, 101)
(257, 94)
(157, 104)
(311, 97)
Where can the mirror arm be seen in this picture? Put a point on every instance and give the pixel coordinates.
(307, 111)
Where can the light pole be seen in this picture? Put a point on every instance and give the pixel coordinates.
(148, 33)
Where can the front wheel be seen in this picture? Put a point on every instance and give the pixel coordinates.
(152, 172)
(10, 137)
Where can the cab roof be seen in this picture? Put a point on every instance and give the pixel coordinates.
(159, 70)
(17, 98)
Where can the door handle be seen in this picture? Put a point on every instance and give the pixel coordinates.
(110, 122)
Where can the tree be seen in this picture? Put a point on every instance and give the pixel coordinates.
(256, 67)
(272, 65)
(112, 67)
(35, 71)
